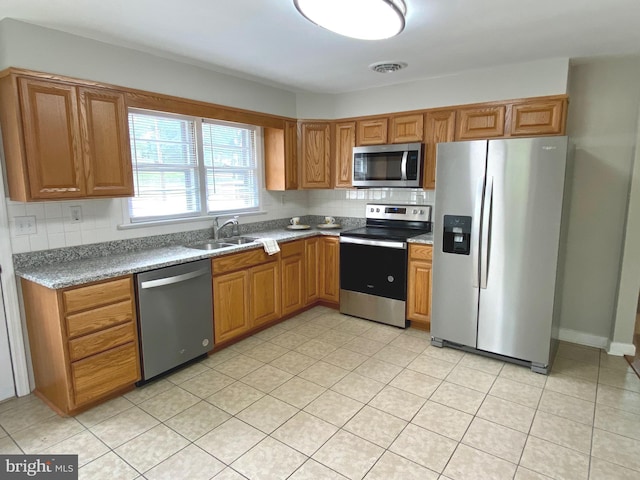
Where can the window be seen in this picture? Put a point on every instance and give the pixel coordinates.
(189, 167)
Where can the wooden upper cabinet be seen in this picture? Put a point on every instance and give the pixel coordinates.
(440, 127)
(51, 139)
(315, 154)
(372, 132)
(64, 140)
(345, 140)
(407, 128)
(281, 157)
(480, 122)
(105, 140)
(538, 117)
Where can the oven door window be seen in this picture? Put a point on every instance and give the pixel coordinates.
(379, 271)
(378, 166)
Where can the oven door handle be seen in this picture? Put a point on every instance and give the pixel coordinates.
(375, 243)
(403, 165)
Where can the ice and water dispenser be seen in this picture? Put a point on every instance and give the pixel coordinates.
(456, 234)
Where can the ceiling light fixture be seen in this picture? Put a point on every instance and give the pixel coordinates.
(363, 19)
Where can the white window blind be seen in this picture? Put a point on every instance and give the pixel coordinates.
(188, 167)
(231, 167)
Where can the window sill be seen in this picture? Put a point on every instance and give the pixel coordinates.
(175, 221)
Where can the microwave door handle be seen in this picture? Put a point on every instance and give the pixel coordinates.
(403, 165)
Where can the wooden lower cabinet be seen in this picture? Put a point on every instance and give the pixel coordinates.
(312, 270)
(292, 274)
(246, 293)
(84, 342)
(230, 306)
(419, 285)
(329, 269)
(264, 288)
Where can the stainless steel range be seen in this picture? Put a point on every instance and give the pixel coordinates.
(373, 262)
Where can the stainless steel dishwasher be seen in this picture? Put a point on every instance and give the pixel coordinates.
(175, 316)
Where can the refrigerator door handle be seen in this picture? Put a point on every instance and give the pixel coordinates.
(475, 231)
(486, 227)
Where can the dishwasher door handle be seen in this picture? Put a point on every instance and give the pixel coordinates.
(171, 280)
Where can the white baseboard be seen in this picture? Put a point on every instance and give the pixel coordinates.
(619, 349)
(581, 338)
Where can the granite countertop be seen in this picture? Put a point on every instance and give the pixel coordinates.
(426, 239)
(77, 272)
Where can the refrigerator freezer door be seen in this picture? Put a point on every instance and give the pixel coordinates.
(516, 307)
(460, 171)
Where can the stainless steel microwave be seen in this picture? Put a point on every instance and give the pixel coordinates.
(398, 165)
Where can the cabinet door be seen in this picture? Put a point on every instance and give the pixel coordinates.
(264, 287)
(290, 155)
(105, 137)
(440, 127)
(330, 269)
(292, 271)
(312, 272)
(106, 372)
(419, 285)
(407, 128)
(345, 140)
(315, 152)
(473, 123)
(538, 118)
(51, 139)
(372, 132)
(230, 306)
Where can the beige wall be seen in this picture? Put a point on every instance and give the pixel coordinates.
(628, 301)
(38, 48)
(602, 123)
(531, 79)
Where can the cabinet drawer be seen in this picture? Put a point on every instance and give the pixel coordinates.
(99, 318)
(105, 372)
(84, 298)
(100, 341)
(240, 261)
(292, 248)
(421, 252)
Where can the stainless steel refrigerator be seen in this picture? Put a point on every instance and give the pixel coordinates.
(497, 231)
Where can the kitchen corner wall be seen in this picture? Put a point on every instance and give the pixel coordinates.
(602, 125)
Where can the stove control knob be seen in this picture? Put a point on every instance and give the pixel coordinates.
(377, 210)
(415, 211)
(421, 212)
(372, 209)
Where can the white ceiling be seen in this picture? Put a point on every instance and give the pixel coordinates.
(270, 41)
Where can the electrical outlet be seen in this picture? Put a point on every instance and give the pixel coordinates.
(26, 225)
(76, 214)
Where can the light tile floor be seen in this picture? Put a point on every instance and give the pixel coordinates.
(326, 396)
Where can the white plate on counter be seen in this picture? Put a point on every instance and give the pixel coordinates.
(329, 225)
(298, 227)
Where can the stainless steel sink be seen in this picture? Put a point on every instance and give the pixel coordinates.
(222, 243)
(238, 240)
(210, 245)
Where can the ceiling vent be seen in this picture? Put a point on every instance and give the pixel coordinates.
(387, 67)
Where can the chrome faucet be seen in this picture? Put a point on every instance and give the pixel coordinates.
(234, 231)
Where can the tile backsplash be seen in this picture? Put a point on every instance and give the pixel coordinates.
(55, 227)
